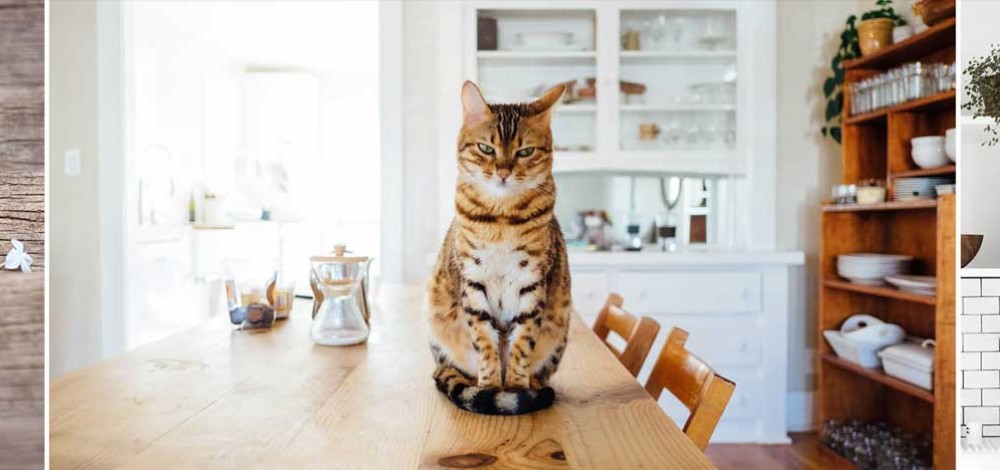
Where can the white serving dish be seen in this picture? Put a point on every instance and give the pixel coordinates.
(861, 337)
(911, 362)
(949, 144)
(860, 353)
(536, 40)
(944, 189)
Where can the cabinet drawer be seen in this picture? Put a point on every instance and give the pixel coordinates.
(589, 291)
(726, 344)
(691, 292)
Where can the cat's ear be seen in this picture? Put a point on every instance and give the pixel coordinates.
(474, 107)
(542, 107)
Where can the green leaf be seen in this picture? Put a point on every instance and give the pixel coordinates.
(835, 133)
(829, 86)
(823, 130)
(833, 109)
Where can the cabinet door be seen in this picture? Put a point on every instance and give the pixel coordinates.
(590, 290)
(678, 72)
(517, 52)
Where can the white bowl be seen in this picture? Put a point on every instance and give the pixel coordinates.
(949, 143)
(929, 157)
(927, 141)
(928, 152)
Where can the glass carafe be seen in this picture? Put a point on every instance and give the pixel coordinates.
(341, 317)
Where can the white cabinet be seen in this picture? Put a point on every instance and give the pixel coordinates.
(699, 66)
(736, 308)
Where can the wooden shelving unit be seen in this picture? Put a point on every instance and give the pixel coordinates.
(877, 145)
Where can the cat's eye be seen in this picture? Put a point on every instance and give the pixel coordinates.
(486, 149)
(525, 152)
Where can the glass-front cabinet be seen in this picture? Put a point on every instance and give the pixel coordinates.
(658, 92)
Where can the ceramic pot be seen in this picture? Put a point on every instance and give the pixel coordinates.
(874, 34)
(970, 247)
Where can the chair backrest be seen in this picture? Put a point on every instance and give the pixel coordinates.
(704, 392)
(637, 333)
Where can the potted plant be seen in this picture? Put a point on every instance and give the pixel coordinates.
(875, 29)
(833, 86)
(982, 91)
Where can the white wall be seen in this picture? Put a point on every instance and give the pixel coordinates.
(980, 168)
(74, 313)
(808, 163)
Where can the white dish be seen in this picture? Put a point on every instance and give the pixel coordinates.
(944, 189)
(926, 285)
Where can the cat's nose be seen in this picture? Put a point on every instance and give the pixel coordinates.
(503, 173)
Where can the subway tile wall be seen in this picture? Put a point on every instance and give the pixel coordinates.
(980, 358)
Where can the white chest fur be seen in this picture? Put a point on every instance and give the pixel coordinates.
(500, 270)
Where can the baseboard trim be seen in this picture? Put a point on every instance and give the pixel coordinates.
(800, 412)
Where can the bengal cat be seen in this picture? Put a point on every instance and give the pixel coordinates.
(499, 300)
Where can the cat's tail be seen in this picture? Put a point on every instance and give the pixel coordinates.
(462, 391)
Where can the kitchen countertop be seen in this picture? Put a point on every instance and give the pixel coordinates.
(210, 396)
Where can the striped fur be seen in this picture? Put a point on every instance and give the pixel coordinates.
(499, 300)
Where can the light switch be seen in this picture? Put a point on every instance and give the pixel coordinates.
(72, 162)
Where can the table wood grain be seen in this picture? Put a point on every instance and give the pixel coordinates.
(211, 397)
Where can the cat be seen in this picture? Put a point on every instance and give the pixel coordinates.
(498, 303)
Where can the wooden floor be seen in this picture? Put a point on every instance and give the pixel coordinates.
(803, 453)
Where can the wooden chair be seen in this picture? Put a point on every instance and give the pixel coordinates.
(637, 333)
(704, 392)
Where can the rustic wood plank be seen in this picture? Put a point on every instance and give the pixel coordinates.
(22, 370)
(22, 213)
(22, 85)
(212, 397)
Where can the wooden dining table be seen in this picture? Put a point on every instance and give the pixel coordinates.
(212, 396)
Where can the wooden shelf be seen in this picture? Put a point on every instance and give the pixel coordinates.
(941, 170)
(935, 38)
(877, 145)
(918, 204)
(929, 103)
(877, 375)
(880, 291)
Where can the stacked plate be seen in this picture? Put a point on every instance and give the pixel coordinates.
(923, 285)
(905, 189)
(871, 268)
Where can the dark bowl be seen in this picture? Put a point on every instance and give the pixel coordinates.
(970, 247)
